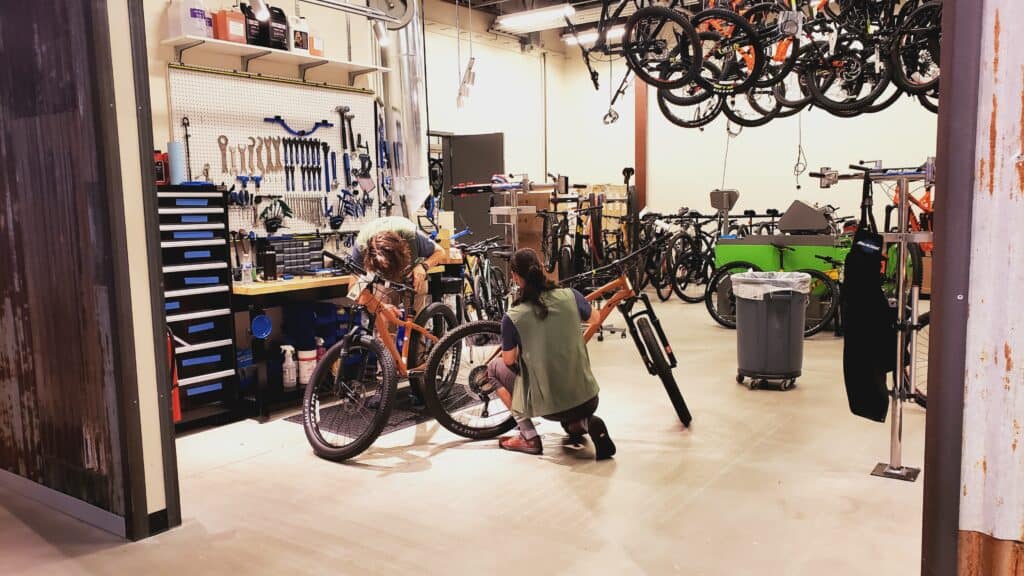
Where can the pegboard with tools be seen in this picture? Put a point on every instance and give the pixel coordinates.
(299, 158)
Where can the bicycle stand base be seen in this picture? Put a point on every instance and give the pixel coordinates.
(905, 473)
(611, 329)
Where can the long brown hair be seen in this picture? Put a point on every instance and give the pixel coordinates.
(527, 265)
(387, 254)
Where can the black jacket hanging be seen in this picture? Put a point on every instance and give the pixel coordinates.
(869, 348)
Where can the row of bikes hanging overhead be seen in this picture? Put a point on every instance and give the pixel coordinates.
(756, 60)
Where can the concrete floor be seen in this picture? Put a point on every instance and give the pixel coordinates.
(764, 482)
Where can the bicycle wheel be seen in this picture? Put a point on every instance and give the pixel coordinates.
(436, 318)
(920, 359)
(338, 416)
(731, 43)
(662, 369)
(930, 100)
(661, 47)
(497, 292)
(850, 78)
(549, 246)
(456, 387)
(915, 268)
(916, 49)
(690, 276)
(565, 262)
(754, 108)
(718, 298)
(823, 299)
(695, 116)
(780, 50)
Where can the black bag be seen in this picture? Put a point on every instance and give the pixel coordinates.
(869, 348)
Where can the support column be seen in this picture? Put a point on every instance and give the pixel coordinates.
(991, 515)
(640, 141)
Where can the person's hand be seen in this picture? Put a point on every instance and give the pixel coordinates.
(419, 279)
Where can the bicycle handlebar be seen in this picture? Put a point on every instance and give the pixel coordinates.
(372, 278)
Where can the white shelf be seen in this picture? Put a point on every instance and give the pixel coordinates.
(248, 53)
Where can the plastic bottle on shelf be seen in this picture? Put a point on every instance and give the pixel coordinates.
(316, 42)
(298, 38)
(229, 24)
(289, 370)
(256, 33)
(187, 18)
(279, 32)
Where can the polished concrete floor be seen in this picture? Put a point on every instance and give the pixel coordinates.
(765, 482)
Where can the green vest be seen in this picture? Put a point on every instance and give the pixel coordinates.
(554, 367)
(401, 226)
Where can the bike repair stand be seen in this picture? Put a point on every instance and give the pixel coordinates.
(723, 201)
(903, 377)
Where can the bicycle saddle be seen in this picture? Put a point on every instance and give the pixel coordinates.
(772, 212)
(503, 254)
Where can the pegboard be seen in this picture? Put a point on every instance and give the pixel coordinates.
(219, 104)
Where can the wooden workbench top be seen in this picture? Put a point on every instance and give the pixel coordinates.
(299, 283)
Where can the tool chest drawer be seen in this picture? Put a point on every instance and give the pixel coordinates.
(197, 300)
(191, 200)
(200, 327)
(192, 216)
(204, 361)
(209, 231)
(196, 276)
(196, 253)
(200, 391)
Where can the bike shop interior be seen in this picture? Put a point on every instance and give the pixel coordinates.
(761, 201)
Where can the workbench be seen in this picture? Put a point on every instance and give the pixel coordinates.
(253, 299)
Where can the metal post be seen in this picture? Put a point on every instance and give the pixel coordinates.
(895, 469)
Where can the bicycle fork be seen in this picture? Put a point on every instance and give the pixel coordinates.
(631, 317)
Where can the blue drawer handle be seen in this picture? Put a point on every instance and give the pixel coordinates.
(172, 306)
(200, 280)
(191, 202)
(200, 327)
(195, 219)
(192, 235)
(203, 389)
(194, 254)
(200, 360)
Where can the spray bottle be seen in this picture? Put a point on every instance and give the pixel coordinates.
(289, 370)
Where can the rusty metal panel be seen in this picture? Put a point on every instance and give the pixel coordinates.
(992, 475)
(58, 369)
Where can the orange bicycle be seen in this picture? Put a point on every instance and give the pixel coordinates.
(351, 394)
(463, 399)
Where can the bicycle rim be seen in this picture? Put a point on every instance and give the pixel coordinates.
(349, 399)
(456, 386)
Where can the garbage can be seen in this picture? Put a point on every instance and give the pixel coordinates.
(770, 313)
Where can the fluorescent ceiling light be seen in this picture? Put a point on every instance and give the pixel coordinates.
(589, 37)
(534, 20)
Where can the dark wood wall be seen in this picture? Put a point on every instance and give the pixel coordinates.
(59, 349)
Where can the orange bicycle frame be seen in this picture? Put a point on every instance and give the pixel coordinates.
(384, 319)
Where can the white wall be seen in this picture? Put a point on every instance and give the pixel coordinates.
(580, 145)
(507, 96)
(685, 164)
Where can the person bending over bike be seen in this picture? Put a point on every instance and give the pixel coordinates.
(390, 245)
(544, 369)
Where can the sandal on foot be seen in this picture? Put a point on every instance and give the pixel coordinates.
(519, 444)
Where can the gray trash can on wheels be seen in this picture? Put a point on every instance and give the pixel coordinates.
(771, 309)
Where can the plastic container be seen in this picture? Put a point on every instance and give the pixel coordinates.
(316, 42)
(229, 25)
(770, 314)
(289, 370)
(256, 33)
(278, 29)
(307, 363)
(188, 18)
(298, 38)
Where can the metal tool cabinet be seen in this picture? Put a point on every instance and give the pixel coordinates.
(197, 301)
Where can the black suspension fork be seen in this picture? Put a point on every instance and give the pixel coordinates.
(626, 308)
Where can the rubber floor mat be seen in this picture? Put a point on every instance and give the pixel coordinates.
(403, 415)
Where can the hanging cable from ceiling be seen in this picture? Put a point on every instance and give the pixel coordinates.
(729, 135)
(800, 166)
(469, 76)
